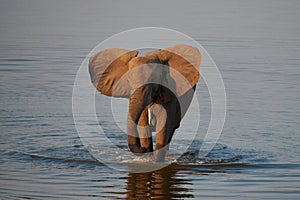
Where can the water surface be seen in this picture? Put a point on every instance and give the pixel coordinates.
(256, 46)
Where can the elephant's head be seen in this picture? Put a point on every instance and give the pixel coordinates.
(155, 77)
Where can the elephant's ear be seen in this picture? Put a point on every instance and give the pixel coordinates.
(184, 62)
(106, 69)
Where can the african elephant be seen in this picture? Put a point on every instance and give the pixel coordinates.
(159, 85)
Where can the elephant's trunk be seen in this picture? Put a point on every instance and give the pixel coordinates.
(137, 103)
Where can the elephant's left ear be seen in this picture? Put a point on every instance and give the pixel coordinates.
(184, 62)
(107, 68)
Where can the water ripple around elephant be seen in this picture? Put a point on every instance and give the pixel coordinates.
(74, 156)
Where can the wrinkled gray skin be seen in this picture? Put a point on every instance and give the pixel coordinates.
(159, 84)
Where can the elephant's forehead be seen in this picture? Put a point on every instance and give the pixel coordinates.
(145, 70)
(137, 61)
(150, 72)
(140, 60)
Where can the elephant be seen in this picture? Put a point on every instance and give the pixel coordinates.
(159, 85)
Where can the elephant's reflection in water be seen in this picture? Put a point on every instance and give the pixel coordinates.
(160, 184)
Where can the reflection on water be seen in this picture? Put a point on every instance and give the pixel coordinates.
(160, 184)
(175, 181)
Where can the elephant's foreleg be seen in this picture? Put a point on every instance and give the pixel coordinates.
(162, 144)
(162, 132)
(144, 131)
(165, 128)
(133, 137)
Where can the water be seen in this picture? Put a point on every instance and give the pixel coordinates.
(256, 46)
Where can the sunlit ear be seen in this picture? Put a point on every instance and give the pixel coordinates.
(107, 67)
(184, 62)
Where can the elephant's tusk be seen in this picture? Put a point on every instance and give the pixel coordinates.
(149, 114)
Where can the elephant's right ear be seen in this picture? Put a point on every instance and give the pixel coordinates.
(185, 61)
(107, 67)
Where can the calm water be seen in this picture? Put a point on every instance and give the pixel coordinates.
(256, 46)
